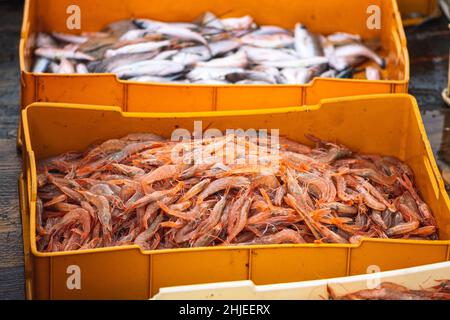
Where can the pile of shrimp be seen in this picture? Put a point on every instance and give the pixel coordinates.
(393, 291)
(134, 190)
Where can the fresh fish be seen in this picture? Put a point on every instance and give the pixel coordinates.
(251, 76)
(297, 75)
(306, 44)
(255, 82)
(210, 81)
(260, 55)
(237, 60)
(358, 50)
(148, 24)
(209, 20)
(279, 40)
(270, 30)
(119, 28)
(58, 54)
(373, 73)
(66, 67)
(298, 63)
(187, 58)
(40, 65)
(182, 34)
(81, 68)
(329, 74)
(242, 23)
(53, 67)
(138, 48)
(135, 34)
(165, 55)
(109, 64)
(203, 73)
(69, 38)
(339, 38)
(152, 79)
(44, 40)
(159, 68)
(232, 50)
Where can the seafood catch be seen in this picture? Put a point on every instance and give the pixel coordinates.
(224, 191)
(393, 291)
(210, 50)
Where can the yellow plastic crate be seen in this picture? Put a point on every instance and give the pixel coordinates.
(415, 12)
(323, 16)
(384, 124)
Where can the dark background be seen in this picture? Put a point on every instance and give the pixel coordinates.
(429, 51)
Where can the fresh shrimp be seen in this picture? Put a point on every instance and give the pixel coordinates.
(374, 192)
(279, 195)
(222, 184)
(189, 216)
(199, 187)
(267, 180)
(78, 215)
(423, 207)
(377, 219)
(402, 228)
(291, 201)
(155, 196)
(321, 187)
(340, 208)
(103, 210)
(143, 238)
(161, 173)
(327, 233)
(58, 199)
(341, 186)
(39, 213)
(241, 220)
(375, 176)
(284, 236)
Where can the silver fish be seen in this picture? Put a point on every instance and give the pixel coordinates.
(40, 65)
(152, 79)
(159, 68)
(358, 50)
(298, 63)
(279, 40)
(306, 44)
(69, 38)
(373, 73)
(202, 73)
(268, 30)
(187, 58)
(44, 40)
(109, 64)
(251, 76)
(58, 54)
(135, 34)
(297, 75)
(237, 60)
(245, 22)
(81, 68)
(66, 67)
(138, 48)
(182, 34)
(259, 55)
(53, 67)
(165, 55)
(210, 20)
